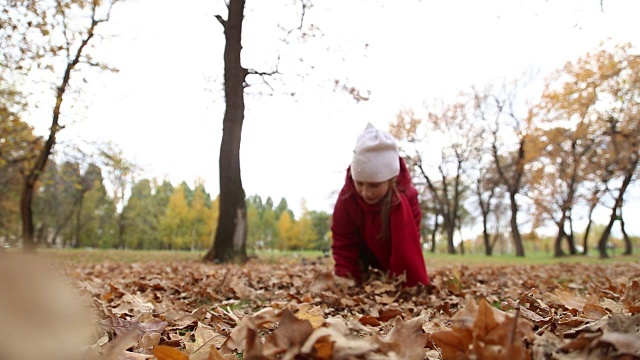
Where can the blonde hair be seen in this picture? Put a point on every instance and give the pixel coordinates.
(385, 212)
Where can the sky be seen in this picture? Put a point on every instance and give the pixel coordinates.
(164, 107)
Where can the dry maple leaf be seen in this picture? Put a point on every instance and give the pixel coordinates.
(335, 338)
(485, 332)
(260, 319)
(625, 343)
(289, 337)
(406, 339)
(253, 346)
(593, 311)
(569, 300)
(205, 336)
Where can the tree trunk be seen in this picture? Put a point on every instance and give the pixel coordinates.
(513, 186)
(571, 238)
(561, 234)
(462, 251)
(515, 232)
(231, 235)
(451, 248)
(628, 246)
(585, 241)
(488, 248)
(26, 213)
(485, 208)
(602, 244)
(436, 225)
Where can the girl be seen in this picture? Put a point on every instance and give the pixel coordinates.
(376, 220)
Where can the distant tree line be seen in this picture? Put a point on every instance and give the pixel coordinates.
(97, 204)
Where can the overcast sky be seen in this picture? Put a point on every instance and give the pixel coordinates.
(165, 106)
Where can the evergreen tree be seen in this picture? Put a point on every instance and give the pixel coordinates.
(141, 223)
(321, 224)
(97, 220)
(282, 208)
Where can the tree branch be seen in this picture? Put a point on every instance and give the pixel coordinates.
(222, 21)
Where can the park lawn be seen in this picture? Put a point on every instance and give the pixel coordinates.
(92, 256)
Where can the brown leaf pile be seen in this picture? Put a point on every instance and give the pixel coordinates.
(295, 311)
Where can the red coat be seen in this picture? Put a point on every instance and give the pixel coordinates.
(356, 229)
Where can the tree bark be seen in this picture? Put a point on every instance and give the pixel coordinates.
(602, 244)
(434, 234)
(585, 240)
(488, 247)
(571, 237)
(561, 234)
(231, 235)
(513, 184)
(628, 246)
(515, 231)
(26, 214)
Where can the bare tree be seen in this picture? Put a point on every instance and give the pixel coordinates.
(229, 244)
(494, 109)
(64, 32)
(121, 173)
(231, 234)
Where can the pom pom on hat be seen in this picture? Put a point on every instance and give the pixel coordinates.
(375, 158)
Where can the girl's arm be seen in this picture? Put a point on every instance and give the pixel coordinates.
(345, 245)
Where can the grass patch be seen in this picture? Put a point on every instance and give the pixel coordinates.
(91, 256)
(530, 259)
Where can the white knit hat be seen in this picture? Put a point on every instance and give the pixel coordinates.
(375, 158)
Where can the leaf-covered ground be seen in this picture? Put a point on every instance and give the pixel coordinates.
(296, 310)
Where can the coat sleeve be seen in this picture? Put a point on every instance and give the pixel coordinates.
(415, 208)
(346, 245)
(407, 256)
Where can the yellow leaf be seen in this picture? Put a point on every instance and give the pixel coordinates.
(314, 315)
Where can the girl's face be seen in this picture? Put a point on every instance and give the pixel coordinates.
(372, 192)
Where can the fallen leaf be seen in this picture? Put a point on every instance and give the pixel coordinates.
(405, 339)
(205, 336)
(625, 343)
(369, 320)
(169, 353)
